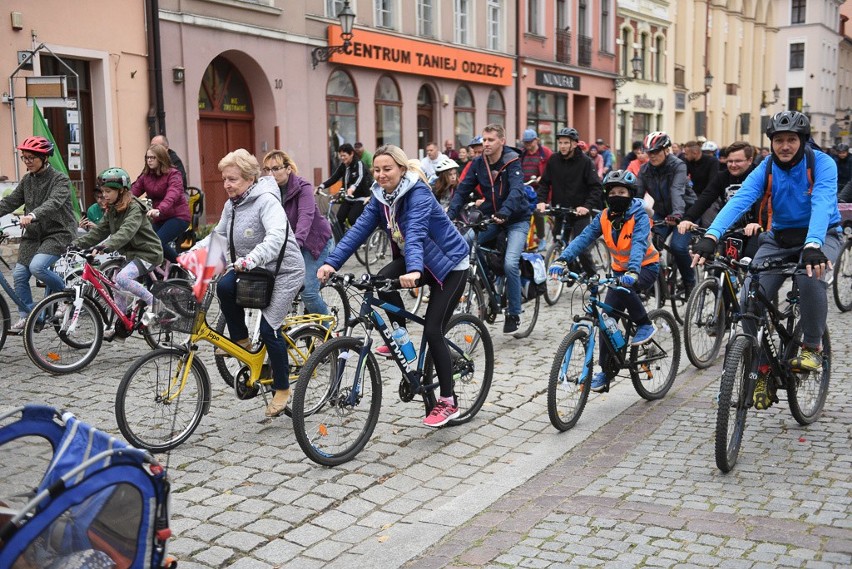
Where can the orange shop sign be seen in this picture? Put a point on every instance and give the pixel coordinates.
(390, 53)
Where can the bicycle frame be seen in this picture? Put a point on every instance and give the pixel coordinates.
(591, 321)
(97, 279)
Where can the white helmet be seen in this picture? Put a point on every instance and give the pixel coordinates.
(709, 146)
(446, 164)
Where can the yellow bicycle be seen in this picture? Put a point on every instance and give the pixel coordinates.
(165, 393)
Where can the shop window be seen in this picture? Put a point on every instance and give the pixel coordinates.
(388, 113)
(464, 113)
(547, 113)
(342, 106)
(496, 108)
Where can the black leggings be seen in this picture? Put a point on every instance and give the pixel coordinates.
(442, 302)
(351, 211)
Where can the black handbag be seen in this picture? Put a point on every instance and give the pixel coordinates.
(254, 288)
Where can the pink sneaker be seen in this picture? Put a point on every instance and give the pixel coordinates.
(441, 413)
(383, 351)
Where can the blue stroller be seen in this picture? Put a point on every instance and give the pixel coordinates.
(101, 504)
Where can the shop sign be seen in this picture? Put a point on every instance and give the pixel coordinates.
(641, 102)
(561, 80)
(390, 53)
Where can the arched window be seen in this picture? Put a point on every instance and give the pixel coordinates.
(626, 52)
(496, 108)
(388, 113)
(342, 104)
(643, 53)
(464, 116)
(660, 59)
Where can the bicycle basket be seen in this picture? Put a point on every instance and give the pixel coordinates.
(178, 308)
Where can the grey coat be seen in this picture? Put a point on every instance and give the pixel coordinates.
(47, 195)
(260, 230)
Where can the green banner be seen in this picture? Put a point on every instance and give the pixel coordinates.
(40, 129)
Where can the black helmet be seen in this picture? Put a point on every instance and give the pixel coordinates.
(568, 133)
(789, 121)
(842, 147)
(656, 141)
(623, 178)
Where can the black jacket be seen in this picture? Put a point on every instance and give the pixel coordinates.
(844, 171)
(666, 183)
(355, 174)
(718, 189)
(503, 193)
(571, 181)
(702, 172)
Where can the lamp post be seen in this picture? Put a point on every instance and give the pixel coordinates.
(347, 20)
(764, 113)
(637, 64)
(708, 82)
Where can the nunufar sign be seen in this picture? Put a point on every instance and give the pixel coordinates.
(391, 53)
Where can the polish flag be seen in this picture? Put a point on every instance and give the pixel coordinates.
(205, 263)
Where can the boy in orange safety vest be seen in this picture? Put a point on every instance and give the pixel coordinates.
(626, 230)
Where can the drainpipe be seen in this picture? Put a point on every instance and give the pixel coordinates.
(518, 102)
(156, 113)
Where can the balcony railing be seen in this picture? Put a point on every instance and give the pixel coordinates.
(584, 51)
(563, 46)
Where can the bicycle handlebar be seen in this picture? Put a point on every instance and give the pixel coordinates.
(370, 282)
(609, 282)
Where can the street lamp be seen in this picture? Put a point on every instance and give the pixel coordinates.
(776, 92)
(347, 20)
(708, 82)
(637, 64)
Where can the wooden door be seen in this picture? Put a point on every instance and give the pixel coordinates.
(213, 145)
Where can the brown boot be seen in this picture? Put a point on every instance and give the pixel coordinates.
(278, 404)
(245, 343)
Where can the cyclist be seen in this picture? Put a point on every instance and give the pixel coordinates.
(664, 179)
(626, 230)
(844, 165)
(533, 160)
(125, 228)
(427, 250)
(804, 225)
(48, 222)
(356, 184)
(570, 180)
(445, 181)
(501, 180)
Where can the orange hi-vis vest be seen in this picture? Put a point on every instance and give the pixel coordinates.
(620, 252)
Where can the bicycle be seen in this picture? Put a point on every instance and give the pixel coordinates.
(668, 289)
(842, 284)
(652, 366)
(164, 394)
(776, 341)
(374, 250)
(64, 332)
(339, 393)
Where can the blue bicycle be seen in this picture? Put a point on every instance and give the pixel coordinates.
(652, 366)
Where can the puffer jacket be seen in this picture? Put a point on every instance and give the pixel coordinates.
(312, 229)
(666, 183)
(503, 193)
(166, 194)
(129, 232)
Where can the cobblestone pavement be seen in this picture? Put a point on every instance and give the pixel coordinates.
(634, 483)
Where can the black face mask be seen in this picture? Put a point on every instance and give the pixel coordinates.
(618, 204)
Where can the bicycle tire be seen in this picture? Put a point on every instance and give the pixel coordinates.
(337, 301)
(806, 397)
(527, 330)
(554, 287)
(156, 337)
(705, 322)
(842, 285)
(5, 321)
(735, 392)
(324, 408)
(473, 301)
(376, 250)
(676, 298)
(49, 346)
(472, 353)
(569, 380)
(600, 257)
(147, 414)
(651, 376)
(306, 340)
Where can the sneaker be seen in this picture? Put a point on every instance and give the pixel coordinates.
(807, 360)
(441, 413)
(512, 323)
(764, 394)
(383, 351)
(18, 326)
(599, 382)
(111, 336)
(644, 333)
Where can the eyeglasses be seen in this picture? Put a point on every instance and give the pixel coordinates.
(737, 161)
(274, 169)
(150, 157)
(28, 159)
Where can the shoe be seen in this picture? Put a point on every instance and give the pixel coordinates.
(687, 290)
(111, 336)
(276, 409)
(807, 360)
(599, 382)
(441, 413)
(18, 326)
(644, 333)
(245, 343)
(764, 392)
(512, 323)
(383, 351)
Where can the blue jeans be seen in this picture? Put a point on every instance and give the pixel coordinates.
(680, 249)
(39, 268)
(314, 303)
(235, 318)
(516, 239)
(169, 230)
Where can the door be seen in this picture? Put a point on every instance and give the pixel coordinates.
(218, 137)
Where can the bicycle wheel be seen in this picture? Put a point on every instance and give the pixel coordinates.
(554, 286)
(472, 355)
(229, 366)
(154, 407)
(842, 285)
(653, 297)
(567, 388)
(156, 337)
(336, 404)
(377, 250)
(528, 320)
(600, 257)
(807, 395)
(705, 322)
(675, 292)
(58, 342)
(304, 341)
(5, 321)
(735, 392)
(654, 365)
(473, 300)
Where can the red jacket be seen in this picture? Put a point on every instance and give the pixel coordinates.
(166, 194)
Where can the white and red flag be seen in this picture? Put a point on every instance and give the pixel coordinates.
(205, 263)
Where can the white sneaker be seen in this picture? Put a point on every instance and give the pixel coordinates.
(18, 326)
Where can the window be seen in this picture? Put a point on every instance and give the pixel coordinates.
(333, 8)
(341, 101)
(582, 19)
(606, 24)
(794, 98)
(462, 15)
(425, 117)
(388, 113)
(643, 53)
(797, 56)
(546, 113)
(384, 13)
(563, 15)
(797, 11)
(493, 22)
(659, 59)
(626, 52)
(464, 111)
(496, 108)
(425, 18)
(534, 17)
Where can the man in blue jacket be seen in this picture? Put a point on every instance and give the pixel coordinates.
(499, 176)
(804, 224)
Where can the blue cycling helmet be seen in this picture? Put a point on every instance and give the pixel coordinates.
(622, 178)
(475, 141)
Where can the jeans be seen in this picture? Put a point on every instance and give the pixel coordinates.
(680, 249)
(235, 317)
(39, 268)
(169, 230)
(630, 301)
(314, 303)
(516, 240)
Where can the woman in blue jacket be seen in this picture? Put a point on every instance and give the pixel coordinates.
(426, 247)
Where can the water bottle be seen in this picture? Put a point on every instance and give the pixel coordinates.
(613, 331)
(402, 339)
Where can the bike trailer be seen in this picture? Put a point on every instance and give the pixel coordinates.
(100, 504)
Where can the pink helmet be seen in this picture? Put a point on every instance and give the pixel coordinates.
(37, 145)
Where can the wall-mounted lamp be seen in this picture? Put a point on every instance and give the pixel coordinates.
(178, 74)
(776, 92)
(708, 82)
(637, 64)
(347, 20)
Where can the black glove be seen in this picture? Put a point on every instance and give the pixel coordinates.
(674, 218)
(813, 256)
(705, 247)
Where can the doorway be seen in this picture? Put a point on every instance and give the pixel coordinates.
(425, 119)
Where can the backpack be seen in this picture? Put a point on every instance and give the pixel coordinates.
(766, 201)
